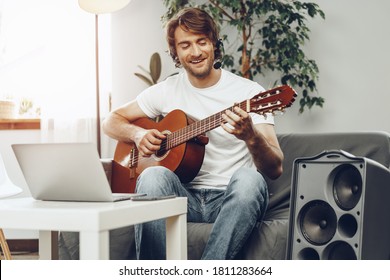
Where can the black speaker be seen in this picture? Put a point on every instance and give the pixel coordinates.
(339, 208)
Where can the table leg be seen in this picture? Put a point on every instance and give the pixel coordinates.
(94, 245)
(177, 237)
(45, 245)
(48, 245)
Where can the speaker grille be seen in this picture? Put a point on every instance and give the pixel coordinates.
(347, 186)
(318, 222)
(339, 250)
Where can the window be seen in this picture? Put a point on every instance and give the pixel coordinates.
(47, 60)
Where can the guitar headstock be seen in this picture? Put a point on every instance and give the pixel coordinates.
(273, 100)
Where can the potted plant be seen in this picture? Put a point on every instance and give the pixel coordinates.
(152, 75)
(272, 34)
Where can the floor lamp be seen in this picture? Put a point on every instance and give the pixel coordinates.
(100, 7)
(7, 189)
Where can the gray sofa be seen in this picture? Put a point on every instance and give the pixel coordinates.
(269, 239)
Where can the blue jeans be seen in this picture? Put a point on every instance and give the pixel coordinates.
(234, 212)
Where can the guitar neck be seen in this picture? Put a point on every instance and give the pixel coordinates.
(276, 99)
(199, 127)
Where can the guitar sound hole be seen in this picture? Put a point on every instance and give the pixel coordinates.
(162, 152)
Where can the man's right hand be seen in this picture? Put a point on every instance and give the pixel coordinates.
(148, 142)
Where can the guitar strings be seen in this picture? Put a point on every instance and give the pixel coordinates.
(197, 128)
(183, 135)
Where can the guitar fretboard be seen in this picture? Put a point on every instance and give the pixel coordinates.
(197, 128)
(264, 102)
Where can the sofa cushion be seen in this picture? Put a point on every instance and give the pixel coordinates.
(267, 241)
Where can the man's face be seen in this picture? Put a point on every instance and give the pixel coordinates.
(195, 53)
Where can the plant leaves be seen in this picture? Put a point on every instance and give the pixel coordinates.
(145, 79)
(276, 32)
(155, 67)
(143, 69)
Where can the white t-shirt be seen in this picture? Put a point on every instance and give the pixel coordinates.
(224, 153)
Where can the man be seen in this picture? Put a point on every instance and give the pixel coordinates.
(229, 190)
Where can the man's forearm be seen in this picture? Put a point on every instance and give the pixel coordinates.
(267, 158)
(117, 127)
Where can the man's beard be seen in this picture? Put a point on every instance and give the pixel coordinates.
(198, 73)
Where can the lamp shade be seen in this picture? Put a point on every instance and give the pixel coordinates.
(102, 6)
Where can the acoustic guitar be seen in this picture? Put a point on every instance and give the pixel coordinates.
(183, 149)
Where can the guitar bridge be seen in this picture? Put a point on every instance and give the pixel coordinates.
(133, 160)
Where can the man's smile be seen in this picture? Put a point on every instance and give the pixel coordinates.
(197, 61)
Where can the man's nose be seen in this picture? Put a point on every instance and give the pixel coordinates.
(196, 51)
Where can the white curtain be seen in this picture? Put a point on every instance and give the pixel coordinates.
(48, 55)
(68, 97)
(68, 92)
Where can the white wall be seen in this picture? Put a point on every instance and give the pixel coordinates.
(136, 34)
(350, 47)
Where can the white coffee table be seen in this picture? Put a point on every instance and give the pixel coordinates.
(93, 221)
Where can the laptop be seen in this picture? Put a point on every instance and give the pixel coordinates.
(65, 172)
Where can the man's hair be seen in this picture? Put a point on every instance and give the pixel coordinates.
(196, 21)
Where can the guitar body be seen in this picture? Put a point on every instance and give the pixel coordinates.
(185, 159)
